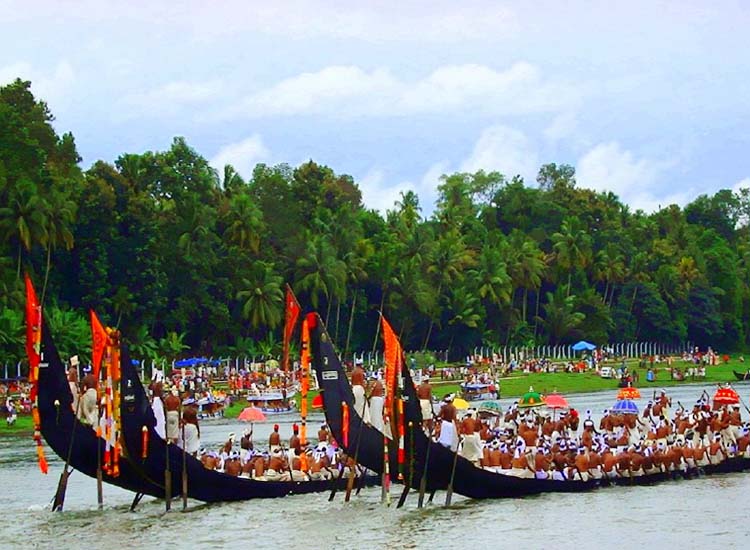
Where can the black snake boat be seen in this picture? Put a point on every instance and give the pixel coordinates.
(68, 437)
(468, 479)
(167, 462)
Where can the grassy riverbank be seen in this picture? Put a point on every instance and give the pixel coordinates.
(24, 425)
(517, 384)
(512, 386)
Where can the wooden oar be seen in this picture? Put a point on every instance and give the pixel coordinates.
(167, 480)
(184, 468)
(62, 484)
(335, 483)
(423, 480)
(353, 469)
(449, 492)
(410, 461)
(99, 488)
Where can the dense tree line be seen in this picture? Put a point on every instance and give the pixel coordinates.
(181, 256)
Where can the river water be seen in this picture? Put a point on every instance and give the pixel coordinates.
(710, 512)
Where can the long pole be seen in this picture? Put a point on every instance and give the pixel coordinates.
(410, 459)
(423, 480)
(99, 488)
(167, 480)
(184, 464)
(62, 484)
(449, 493)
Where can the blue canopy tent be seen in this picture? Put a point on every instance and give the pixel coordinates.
(583, 345)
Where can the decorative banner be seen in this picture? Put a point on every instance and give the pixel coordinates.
(34, 353)
(305, 382)
(291, 315)
(394, 364)
(106, 358)
(345, 424)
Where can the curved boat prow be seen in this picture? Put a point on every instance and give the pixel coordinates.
(65, 434)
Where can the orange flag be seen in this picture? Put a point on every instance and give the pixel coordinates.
(305, 381)
(99, 343)
(292, 313)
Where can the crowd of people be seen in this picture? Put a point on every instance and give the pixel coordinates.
(296, 461)
(529, 444)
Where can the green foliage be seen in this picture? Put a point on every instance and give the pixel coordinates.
(172, 345)
(72, 332)
(12, 335)
(181, 256)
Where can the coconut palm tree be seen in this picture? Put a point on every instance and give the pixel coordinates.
(59, 217)
(262, 296)
(560, 317)
(572, 247)
(244, 223)
(446, 262)
(23, 219)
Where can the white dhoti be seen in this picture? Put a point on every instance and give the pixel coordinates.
(425, 406)
(472, 448)
(273, 475)
(88, 410)
(360, 403)
(448, 436)
(376, 412)
(158, 407)
(524, 473)
(173, 425)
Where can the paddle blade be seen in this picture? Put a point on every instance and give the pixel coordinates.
(402, 498)
(62, 486)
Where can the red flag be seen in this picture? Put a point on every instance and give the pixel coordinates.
(292, 313)
(33, 330)
(393, 356)
(34, 353)
(99, 343)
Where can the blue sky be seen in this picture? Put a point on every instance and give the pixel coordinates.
(650, 100)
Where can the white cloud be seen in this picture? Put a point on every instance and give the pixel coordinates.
(608, 167)
(352, 91)
(243, 155)
(498, 148)
(53, 88)
(380, 195)
(503, 149)
(442, 21)
(742, 184)
(561, 127)
(170, 98)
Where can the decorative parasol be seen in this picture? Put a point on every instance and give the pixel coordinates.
(556, 401)
(460, 404)
(531, 399)
(493, 406)
(625, 406)
(628, 392)
(725, 396)
(251, 414)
